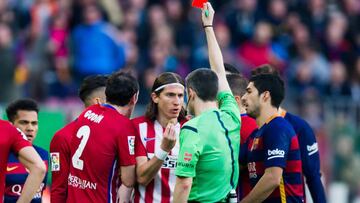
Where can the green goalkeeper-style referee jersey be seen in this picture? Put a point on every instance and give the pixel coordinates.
(209, 150)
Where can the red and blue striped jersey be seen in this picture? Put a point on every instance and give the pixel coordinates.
(16, 175)
(310, 157)
(275, 144)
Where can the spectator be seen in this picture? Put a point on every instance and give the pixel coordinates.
(351, 8)
(258, 51)
(335, 46)
(99, 52)
(277, 12)
(241, 20)
(7, 64)
(338, 87)
(315, 17)
(309, 66)
(355, 87)
(41, 12)
(58, 39)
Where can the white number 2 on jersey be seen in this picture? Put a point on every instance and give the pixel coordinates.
(83, 133)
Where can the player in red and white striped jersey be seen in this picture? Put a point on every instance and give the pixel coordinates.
(156, 149)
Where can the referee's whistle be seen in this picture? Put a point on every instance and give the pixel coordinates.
(207, 13)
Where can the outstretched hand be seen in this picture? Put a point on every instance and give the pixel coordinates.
(207, 14)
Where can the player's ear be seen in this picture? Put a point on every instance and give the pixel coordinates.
(238, 99)
(265, 96)
(191, 93)
(135, 97)
(155, 97)
(97, 100)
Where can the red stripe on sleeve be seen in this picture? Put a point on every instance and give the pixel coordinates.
(294, 143)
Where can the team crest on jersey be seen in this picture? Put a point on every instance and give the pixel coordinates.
(187, 157)
(55, 161)
(131, 144)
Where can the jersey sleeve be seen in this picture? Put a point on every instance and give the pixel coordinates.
(45, 157)
(227, 103)
(139, 147)
(60, 162)
(190, 149)
(276, 146)
(311, 162)
(126, 145)
(19, 140)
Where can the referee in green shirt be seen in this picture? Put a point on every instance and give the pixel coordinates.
(207, 167)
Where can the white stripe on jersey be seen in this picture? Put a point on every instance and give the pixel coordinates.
(157, 181)
(111, 180)
(143, 128)
(142, 194)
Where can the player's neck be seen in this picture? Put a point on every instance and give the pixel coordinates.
(265, 115)
(282, 111)
(164, 121)
(123, 110)
(201, 106)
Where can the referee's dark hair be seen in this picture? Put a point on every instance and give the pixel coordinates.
(230, 69)
(120, 88)
(271, 83)
(90, 85)
(204, 82)
(18, 105)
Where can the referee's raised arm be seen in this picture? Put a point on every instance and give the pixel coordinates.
(215, 55)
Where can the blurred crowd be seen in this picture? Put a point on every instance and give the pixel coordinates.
(48, 46)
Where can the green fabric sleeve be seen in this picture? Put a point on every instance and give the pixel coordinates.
(190, 148)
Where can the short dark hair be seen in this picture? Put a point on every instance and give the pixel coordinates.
(120, 87)
(230, 68)
(90, 84)
(20, 104)
(204, 82)
(273, 84)
(163, 79)
(237, 83)
(264, 69)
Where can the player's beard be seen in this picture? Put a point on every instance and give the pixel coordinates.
(255, 112)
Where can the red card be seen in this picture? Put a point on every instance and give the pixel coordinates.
(198, 3)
